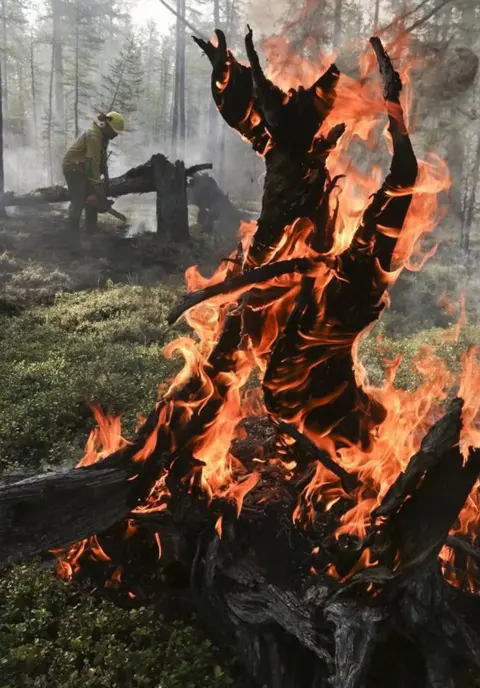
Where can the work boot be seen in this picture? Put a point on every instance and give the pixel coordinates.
(74, 219)
(91, 220)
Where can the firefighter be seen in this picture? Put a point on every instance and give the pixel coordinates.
(83, 166)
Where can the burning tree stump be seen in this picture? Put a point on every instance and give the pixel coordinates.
(250, 499)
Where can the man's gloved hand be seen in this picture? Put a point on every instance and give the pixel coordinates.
(100, 202)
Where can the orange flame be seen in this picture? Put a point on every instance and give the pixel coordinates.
(408, 415)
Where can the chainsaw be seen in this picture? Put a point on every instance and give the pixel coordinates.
(92, 201)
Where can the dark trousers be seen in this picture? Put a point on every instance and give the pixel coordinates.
(78, 190)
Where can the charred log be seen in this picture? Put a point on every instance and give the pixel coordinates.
(137, 180)
(272, 607)
(171, 189)
(217, 213)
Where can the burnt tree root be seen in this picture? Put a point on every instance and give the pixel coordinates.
(262, 586)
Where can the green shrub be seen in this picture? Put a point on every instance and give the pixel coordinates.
(415, 297)
(103, 346)
(450, 351)
(53, 635)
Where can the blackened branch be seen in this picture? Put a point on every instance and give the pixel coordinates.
(392, 84)
(305, 445)
(255, 276)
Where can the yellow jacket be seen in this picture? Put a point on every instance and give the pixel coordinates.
(87, 154)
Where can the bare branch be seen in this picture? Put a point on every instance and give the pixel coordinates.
(184, 20)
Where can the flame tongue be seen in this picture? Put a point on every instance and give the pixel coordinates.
(293, 331)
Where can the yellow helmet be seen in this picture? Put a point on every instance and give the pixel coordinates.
(116, 121)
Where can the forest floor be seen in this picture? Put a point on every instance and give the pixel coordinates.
(82, 320)
(41, 256)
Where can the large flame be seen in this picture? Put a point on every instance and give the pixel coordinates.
(360, 105)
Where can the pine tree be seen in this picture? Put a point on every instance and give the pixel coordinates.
(82, 57)
(123, 83)
(13, 24)
(122, 88)
(155, 106)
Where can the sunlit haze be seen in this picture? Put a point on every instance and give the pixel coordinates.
(145, 10)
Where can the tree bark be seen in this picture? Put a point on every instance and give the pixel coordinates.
(337, 23)
(5, 73)
(181, 85)
(49, 132)
(76, 103)
(376, 16)
(178, 116)
(59, 77)
(470, 209)
(172, 207)
(33, 86)
(2, 166)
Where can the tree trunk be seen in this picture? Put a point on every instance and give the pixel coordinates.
(175, 104)
(2, 168)
(337, 23)
(178, 116)
(376, 16)
(181, 84)
(213, 116)
(455, 157)
(21, 102)
(58, 68)
(76, 103)
(165, 123)
(470, 209)
(172, 207)
(50, 117)
(33, 86)
(5, 73)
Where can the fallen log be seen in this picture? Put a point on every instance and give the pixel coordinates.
(250, 593)
(137, 180)
(175, 187)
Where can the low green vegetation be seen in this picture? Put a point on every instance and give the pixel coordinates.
(103, 346)
(54, 636)
(447, 344)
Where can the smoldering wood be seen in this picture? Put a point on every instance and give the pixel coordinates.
(249, 591)
(458, 543)
(215, 207)
(35, 516)
(171, 199)
(305, 446)
(137, 180)
(217, 213)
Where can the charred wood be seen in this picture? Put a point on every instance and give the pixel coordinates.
(137, 180)
(235, 284)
